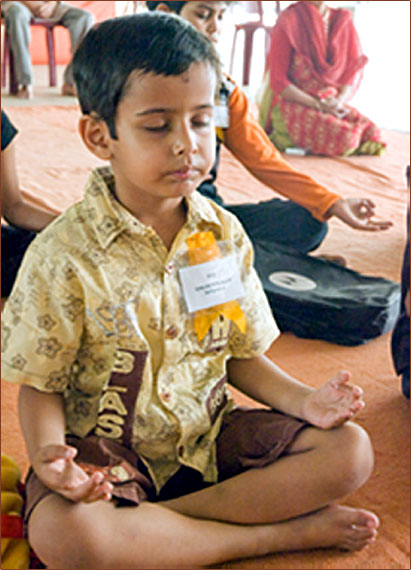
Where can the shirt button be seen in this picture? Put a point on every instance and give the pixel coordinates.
(171, 332)
(165, 396)
(181, 450)
(170, 268)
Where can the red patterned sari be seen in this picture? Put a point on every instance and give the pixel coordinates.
(320, 64)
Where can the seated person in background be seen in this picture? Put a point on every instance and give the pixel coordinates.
(139, 457)
(400, 343)
(18, 15)
(314, 66)
(24, 219)
(300, 222)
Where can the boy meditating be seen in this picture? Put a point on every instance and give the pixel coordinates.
(131, 315)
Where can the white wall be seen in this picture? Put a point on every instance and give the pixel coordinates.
(384, 94)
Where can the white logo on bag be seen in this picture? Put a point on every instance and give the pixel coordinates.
(292, 281)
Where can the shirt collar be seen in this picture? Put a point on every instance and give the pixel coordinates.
(110, 218)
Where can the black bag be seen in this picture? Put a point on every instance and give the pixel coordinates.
(318, 299)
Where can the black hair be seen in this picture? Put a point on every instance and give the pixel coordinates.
(174, 6)
(160, 43)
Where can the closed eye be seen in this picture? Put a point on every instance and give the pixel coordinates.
(204, 15)
(201, 123)
(157, 128)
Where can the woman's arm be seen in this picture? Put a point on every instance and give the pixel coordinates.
(295, 95)
(333, 105)
(13, 207)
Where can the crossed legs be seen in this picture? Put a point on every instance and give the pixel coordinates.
(288, 505)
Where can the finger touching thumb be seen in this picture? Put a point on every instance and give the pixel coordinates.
(57, 451)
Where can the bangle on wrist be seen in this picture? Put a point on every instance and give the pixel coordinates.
(317, 104)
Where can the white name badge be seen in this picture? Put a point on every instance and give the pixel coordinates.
(213, 283)
(222, 116)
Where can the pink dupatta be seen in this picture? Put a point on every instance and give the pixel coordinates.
(333, 61)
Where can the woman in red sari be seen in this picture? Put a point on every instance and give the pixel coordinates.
(315, 66)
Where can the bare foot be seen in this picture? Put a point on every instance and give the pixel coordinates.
(25, 92)
(335, 526)
(69, 90)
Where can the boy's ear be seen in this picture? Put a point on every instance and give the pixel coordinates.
(162, 7)
(96, 136)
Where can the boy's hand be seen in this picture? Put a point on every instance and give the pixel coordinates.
(358, 213)
(55, 467)
(334, 403)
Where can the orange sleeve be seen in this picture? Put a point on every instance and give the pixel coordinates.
(246, 139)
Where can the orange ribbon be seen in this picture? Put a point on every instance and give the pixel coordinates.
(202, 247)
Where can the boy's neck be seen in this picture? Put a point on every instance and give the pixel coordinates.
(166, 221)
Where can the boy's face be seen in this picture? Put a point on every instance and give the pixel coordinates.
(166, 138)
(207, 17)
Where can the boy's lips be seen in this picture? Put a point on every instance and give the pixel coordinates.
(184, 173)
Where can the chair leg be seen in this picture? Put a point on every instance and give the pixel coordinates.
(248, 50)
(233, 52)
(266, 49)
(14, 86)
(52, 57)
(5, 59)
(8, 59)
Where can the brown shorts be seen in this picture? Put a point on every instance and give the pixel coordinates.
(248, 439)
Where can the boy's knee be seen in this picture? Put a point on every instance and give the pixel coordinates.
(355, 457)
(65, 541)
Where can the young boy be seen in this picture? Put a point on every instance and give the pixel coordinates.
(139, 458)
(299, 222)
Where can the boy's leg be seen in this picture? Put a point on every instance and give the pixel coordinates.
(320, 467)
(282, 222)
(98, 535)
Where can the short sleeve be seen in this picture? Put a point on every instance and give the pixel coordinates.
(42, 322)
(8, 131)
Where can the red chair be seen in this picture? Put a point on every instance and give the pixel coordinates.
(49, 26)
(249, 28)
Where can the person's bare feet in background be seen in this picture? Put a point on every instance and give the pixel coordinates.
(68, 90)
(25, 92)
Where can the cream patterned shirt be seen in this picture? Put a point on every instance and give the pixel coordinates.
(98, 314)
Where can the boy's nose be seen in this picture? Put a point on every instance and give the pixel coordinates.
(185, 143)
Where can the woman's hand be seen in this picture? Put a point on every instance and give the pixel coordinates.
(334, 403)
(358, 213)
(55, 467)
(333, 106)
